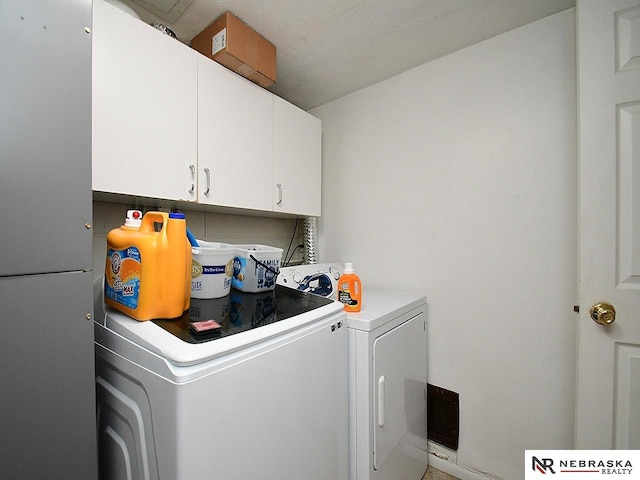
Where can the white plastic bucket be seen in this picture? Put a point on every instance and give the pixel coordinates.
(256, 268)
(211, 269)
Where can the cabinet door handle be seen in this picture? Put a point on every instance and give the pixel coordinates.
(193, 178)
(208, 174)
(279, 202)
(381, 406)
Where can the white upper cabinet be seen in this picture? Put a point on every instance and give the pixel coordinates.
(235, 139)
(169, 123)
(144, 108)
(296, 160)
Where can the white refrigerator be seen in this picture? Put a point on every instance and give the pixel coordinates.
(47, 408)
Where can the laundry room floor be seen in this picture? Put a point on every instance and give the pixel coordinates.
(433, 474)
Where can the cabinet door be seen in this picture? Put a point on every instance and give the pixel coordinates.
(297, 160)
(45, 136)
(235, 139)
(144, 108)
(48, 419)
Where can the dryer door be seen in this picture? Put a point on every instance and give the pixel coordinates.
(400, 379)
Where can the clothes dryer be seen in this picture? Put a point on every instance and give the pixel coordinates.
(387, 381)
(387, 376)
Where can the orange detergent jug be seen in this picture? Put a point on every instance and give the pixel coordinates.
(148, 269)
(350, 289)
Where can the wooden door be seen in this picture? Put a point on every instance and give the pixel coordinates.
(608, 400)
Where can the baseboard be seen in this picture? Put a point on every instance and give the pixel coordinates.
(455, 470)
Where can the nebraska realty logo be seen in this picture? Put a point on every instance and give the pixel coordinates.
(581, 464)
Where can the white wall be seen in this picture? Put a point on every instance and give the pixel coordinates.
(458, 179)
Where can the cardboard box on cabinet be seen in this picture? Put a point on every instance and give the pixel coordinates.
(232, 43)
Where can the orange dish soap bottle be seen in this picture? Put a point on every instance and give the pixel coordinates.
(350, 289)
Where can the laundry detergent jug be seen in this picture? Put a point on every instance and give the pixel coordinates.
(148, 266)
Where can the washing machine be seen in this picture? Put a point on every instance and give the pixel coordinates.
(259, 393)
(387, 376)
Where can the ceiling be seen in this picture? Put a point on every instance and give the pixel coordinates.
(329, 48)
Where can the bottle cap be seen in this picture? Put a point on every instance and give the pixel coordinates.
(134, 219)
(348, 267)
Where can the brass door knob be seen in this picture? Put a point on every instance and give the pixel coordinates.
(603, 313)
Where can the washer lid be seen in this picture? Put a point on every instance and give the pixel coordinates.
(380, 307)
(250, 318)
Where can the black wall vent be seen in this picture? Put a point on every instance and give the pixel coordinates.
(443, 416)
